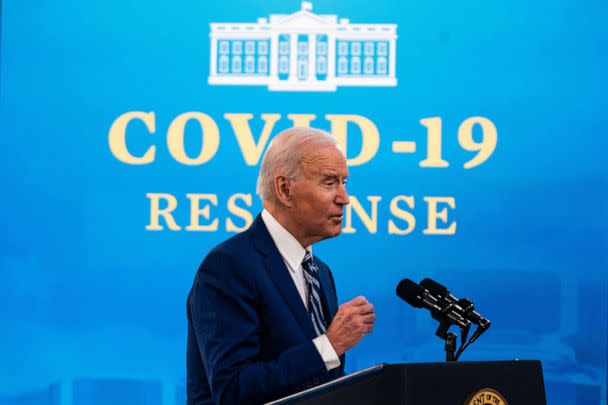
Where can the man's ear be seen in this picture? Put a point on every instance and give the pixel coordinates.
(283, 188)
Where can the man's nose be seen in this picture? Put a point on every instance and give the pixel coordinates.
(342, 196)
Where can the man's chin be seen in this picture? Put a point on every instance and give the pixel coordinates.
(336, 230)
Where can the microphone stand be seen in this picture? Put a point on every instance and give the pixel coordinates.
(450, 348)
(450, 341)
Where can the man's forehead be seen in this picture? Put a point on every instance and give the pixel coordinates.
(314, 153)
(327, 160)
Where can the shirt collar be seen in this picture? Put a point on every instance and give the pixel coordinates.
(287, 244)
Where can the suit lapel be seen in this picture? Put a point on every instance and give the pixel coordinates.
(278, 272)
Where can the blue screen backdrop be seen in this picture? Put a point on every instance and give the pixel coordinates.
(103, 226)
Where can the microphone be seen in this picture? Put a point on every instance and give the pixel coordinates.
(419, 297)
(464, 306)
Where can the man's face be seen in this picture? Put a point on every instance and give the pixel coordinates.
(319, 195)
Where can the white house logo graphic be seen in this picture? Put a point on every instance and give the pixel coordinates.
(303, 51)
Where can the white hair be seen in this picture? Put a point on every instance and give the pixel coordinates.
(285, 155)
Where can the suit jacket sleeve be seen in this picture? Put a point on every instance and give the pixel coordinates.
(339, 372)
(223, 309)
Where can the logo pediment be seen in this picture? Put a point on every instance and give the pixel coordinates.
(301, 18)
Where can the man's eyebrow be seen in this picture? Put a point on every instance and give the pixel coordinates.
(332, 174)
(329, 174)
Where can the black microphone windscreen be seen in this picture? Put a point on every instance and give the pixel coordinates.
(410, 292)
(434, 287)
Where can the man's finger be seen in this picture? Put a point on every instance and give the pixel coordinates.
(365, 309)
(360, 300)
(369, 318)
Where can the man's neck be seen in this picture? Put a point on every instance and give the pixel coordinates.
(284, 219)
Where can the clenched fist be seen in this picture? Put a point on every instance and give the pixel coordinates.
(352, 321)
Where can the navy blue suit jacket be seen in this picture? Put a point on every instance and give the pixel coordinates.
(249, 333)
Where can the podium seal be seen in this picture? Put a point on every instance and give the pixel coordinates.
(485, 396)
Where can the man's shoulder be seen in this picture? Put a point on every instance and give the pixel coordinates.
(324, 267)
(320, 263)
(231, 261)
(234, 247)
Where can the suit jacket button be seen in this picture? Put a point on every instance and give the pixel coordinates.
(315, 380)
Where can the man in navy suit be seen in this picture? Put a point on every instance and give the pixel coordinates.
(263, 318)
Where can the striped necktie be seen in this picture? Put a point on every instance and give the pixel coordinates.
(314, 294)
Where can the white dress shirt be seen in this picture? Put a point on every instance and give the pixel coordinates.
(293, 254)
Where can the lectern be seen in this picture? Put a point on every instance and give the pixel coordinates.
(463, 383)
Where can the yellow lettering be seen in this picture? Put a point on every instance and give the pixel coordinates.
(175, 138)
(118, 134)
(196, 212)
(156, 212)
(369, 133)
(370, 221)
(402, 214)
(433, 147)
(239, 212)
(485, 148)
(433, 215)
(242, 130)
